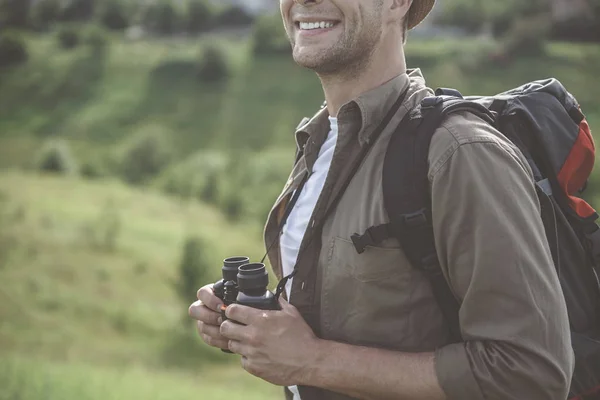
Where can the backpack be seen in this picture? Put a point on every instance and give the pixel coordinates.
(547, 125)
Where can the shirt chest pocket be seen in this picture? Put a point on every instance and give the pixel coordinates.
(373, 265)
(366, 298)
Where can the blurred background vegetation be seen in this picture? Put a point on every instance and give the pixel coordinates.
(141, 142)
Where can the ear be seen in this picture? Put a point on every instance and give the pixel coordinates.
(398, 10)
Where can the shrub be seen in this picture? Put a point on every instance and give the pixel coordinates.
(269, 36)
(15, 13)
(210, 191)
(144, 157)
(13, 50)
(214, 64)
(96, 38)
(234, 16)
(92, 170)
(527, 37)
(469, 15)
(191, 176)
(68, 37)
(77, 10)
(161, 18)
(56, 157)
(113, 15)
(199, 16)
(45, 13)
(193, 269)
(233, 207)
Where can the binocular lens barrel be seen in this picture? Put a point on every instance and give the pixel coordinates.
(230, 267)
(252, 276)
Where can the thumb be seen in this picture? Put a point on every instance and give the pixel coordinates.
(285, 306)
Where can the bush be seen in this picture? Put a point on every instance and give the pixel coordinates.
(269, 36)
(13, 50)
(213, 65)
(199, 16)
(14, 13)
(96, 38)
(77, 10)
(113, 15)
(469, 15)
(192, 176)
(193, 269)
(144, 157)
(527, 37)
(210, 191)
(233, 207)
(234, 16)
(68, 37)
(56, 157)
(45, 13)
(161, 18)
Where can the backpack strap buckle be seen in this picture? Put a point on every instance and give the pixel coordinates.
(372, 237)
(416, 219)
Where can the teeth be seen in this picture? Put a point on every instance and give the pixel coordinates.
(315, 25)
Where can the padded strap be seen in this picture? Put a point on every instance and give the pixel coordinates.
(407, 197)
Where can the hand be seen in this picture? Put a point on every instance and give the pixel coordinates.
(207, 311)
(277, 346)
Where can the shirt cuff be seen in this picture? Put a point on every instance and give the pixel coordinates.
(454, 373)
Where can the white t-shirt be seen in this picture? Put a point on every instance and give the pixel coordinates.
(295, 227)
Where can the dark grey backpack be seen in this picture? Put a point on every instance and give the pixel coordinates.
(546, 123)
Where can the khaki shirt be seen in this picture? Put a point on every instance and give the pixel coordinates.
(490, 242)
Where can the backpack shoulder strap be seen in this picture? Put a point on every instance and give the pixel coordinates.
(407, 197)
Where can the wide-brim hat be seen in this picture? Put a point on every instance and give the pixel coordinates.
(418, 11)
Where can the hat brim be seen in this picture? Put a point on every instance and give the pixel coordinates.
(418, 11)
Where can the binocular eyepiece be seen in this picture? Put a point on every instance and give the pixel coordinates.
(244, 283)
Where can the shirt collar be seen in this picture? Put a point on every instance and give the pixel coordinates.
(361, 114)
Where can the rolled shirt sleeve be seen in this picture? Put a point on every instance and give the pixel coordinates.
(494, 252)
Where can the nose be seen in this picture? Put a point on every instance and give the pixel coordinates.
(307, 2)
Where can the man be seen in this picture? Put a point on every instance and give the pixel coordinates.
(368, 325)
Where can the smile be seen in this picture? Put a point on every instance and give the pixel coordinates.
(306, 26)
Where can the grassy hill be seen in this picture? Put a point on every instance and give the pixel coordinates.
(77, 307)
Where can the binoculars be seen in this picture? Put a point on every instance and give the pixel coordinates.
(244, 283)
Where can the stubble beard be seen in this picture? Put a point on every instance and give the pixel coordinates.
(349, 56)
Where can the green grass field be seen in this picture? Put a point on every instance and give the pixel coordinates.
(29, 379)
(81, 320)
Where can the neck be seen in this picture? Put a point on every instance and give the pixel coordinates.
(344, 86)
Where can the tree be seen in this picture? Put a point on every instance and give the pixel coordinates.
(78, 10)
(113, 15)
(45, 13)
(13, 50)
(14, 13)
(199, 16)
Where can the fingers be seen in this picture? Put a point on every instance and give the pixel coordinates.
(211, 336)
(199, 311)
(208, 298)
(234, 331)
(240, 348)
(242, 314)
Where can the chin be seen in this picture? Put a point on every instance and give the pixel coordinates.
(316, 62)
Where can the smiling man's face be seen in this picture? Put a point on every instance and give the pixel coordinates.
(331, 36)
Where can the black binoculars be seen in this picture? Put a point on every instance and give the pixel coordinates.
(244, 283)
